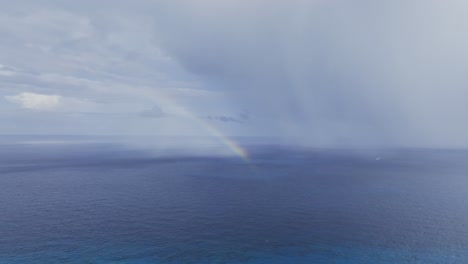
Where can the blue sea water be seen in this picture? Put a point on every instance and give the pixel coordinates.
(101, 203)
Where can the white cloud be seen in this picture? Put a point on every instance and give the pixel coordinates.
(87, 72)
(60, 105)
(35, 101)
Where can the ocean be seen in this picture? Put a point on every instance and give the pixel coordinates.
(94, 202)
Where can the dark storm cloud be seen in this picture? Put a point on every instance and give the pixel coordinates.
(333, 72)
(241, 118)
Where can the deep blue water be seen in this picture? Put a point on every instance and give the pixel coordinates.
(99, 203)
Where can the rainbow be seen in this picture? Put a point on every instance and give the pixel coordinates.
(227, 141)
(233, 146)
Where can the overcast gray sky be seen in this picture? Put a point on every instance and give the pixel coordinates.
(327, 73)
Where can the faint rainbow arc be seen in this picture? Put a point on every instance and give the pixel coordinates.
(227, 141)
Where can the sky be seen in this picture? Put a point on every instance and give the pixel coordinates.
(311, 72)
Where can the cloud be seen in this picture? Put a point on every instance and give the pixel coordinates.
(55, 103)
(35, 101)
(333, 73)
(102, 68)
(327, 73)
(6, 71)
(241, 118)
(154, 112)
